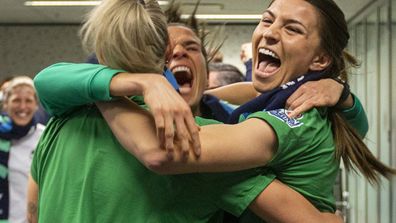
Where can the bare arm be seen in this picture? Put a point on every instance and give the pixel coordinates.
(223, 146)
(281, 204)
(32, 201)
(246, 92)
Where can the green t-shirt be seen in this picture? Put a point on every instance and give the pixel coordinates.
(84, 175)
(305, 157)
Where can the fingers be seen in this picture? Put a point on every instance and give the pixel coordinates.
(194, 133)
(160, 125)
(187, 132)
(300, 109)
(182, 136)
(169, 134)
(297, 94)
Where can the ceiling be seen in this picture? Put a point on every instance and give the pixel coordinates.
(14, 11)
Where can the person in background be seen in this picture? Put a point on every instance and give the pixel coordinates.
(246, 58)
(3, 85)
(19, 134)
(222, 74)
(41, 116)
(216, 55)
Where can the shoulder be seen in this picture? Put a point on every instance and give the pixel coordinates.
(279, 118)
(293, 132)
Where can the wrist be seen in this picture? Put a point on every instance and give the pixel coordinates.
(127, 84)
(346, 99)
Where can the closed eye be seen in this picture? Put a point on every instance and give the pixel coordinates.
(294, 30)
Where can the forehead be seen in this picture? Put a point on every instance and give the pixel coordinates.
(26, 89)
(298, 10)
(182, 35)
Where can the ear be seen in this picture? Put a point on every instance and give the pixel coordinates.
(320, 62)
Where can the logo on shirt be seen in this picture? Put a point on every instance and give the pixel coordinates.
(282, 115)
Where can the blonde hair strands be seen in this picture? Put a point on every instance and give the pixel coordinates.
(127, 34)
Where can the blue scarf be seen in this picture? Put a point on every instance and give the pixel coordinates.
(273, 99)
(8, 131)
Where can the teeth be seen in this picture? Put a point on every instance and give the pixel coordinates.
(22, 114)
(268, 53)
(181, 68)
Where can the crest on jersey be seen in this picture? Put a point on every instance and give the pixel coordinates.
(282, 115)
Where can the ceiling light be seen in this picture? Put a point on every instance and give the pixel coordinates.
(225, 17)
(71, 3)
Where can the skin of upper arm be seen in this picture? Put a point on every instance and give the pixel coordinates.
(246, 92)
(245, 145)
(224, 147)
(32, 201)
(280, 204)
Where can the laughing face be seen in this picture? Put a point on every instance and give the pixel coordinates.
(21, 104)
(185, 59)
(286, 44)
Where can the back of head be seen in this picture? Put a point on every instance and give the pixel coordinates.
(334, 36)
(174, 18)
(127, 34)
(227, 73)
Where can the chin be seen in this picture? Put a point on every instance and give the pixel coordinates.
(263, 86)
(22, 122)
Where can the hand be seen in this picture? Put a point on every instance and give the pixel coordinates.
(325, 92)
(172, 115)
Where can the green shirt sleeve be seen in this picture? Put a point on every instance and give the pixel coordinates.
(65, 86)
(356, 117)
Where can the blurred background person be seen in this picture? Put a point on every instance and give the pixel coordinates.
(246, 58)
(3, 85)
(19, 134)
(41, 116)
(222, 74)
(215, 55)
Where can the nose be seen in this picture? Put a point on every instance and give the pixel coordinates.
(179, 52)
(22, 105)
(271, 34)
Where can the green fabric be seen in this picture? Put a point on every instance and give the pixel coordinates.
(356, 117)
(5, 145)
(84, 175)
(62, 87)
(3, 171)
(305, 157)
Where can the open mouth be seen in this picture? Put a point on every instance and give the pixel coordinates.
(268, 61)
(183, 77)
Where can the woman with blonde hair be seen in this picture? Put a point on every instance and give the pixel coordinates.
(19, 134)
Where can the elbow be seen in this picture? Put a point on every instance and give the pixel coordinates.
(157, 161)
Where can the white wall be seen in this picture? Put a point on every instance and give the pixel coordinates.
(373, 41)
(28, 49)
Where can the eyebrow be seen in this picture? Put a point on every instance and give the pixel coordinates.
(287, 20)
(191, 42)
